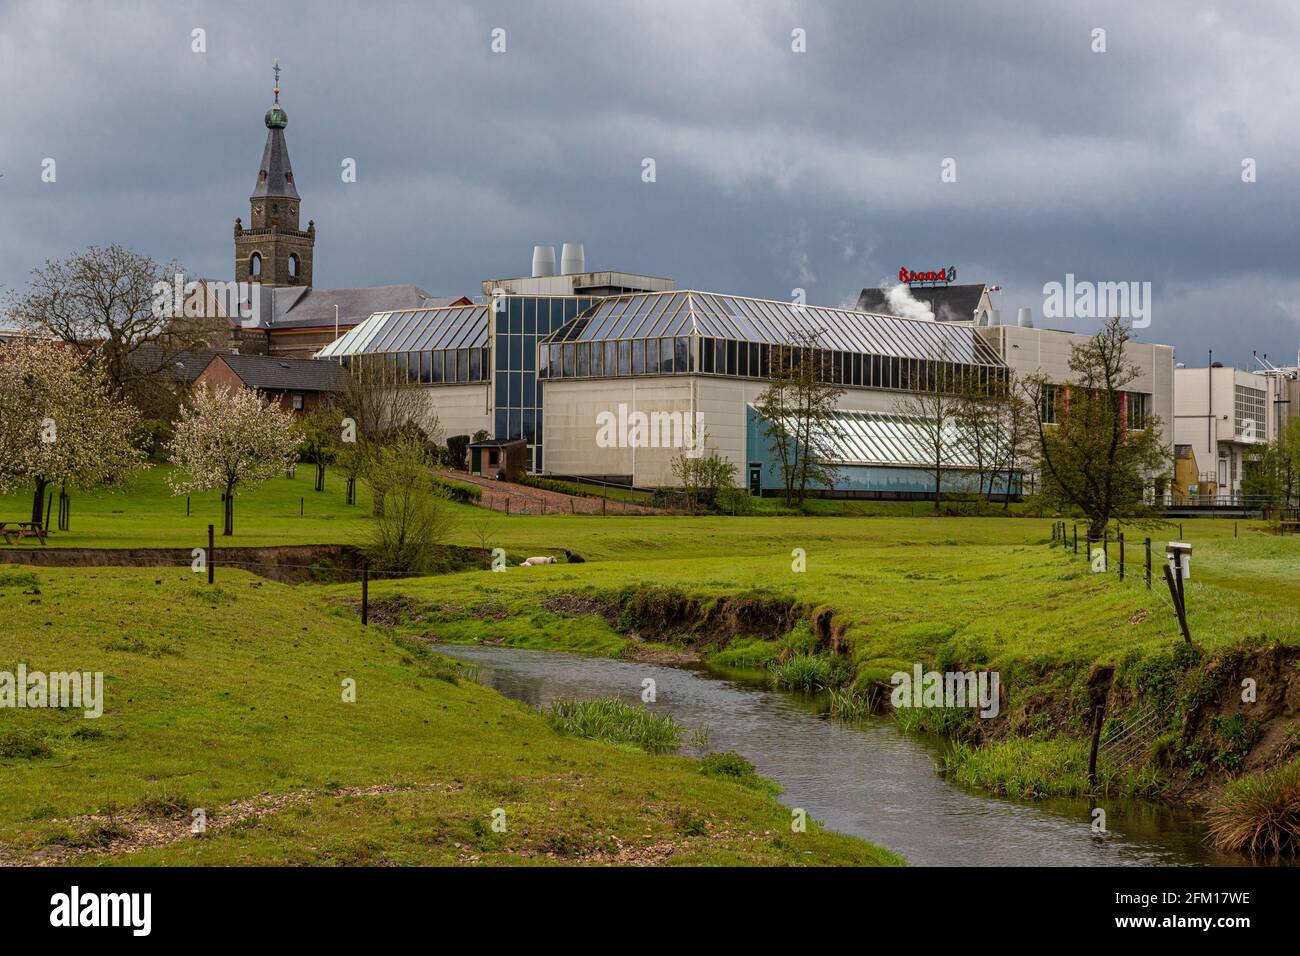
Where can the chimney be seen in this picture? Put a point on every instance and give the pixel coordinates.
(543, 261)
(995, 317)
(573, 260)
(1025, 318)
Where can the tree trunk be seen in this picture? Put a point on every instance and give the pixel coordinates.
(228, 516)
(320, 476)
(38, 502)
(938, 484)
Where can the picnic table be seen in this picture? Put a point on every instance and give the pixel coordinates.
(15, 531)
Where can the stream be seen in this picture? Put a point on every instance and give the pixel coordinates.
(865, 778)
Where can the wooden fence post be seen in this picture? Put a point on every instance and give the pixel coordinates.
(212, 555)
(365, 593)
(1148, 544)
(1098, 713)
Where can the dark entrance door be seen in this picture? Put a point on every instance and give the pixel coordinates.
(755, 480)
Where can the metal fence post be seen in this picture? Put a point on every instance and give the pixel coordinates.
(1148, 544)
(212, 555)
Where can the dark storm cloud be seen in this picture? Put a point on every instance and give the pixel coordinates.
(775, 170)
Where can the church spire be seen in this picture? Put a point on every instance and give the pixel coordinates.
(275, 178)
(274, 250)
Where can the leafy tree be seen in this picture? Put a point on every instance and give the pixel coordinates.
(60, 422)
(1272, 471)
(321, 431)
(798, 412)
(703, 477)
(230, 439)
(1094, 459)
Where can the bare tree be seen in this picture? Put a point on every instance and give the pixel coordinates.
(931, 408)
(108, 299)
(798, 411)
(376, 409)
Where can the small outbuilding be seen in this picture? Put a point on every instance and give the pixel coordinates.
(491, 457)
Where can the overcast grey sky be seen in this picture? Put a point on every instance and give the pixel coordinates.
(775, 169)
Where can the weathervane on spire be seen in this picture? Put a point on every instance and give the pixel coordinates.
(277, 79)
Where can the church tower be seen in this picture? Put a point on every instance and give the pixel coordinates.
(273, 250)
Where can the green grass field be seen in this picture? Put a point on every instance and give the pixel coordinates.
(219, 695)
(230, 699)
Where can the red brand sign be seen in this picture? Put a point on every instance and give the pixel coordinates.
(939, 275)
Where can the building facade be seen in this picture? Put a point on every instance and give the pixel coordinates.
(1222, 415)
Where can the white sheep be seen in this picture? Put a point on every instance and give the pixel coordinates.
(543, 559)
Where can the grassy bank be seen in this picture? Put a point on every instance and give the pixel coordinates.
(230, 699)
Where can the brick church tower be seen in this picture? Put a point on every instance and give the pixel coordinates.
(273, 250)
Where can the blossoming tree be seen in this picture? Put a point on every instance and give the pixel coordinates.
(60, 422)
(230, 439)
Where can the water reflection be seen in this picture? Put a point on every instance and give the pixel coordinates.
(867, 779)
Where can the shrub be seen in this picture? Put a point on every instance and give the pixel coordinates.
(412, 520)
(457, 492)
(610, 720)
(730, 765)
(457, 446)
(1260, 814)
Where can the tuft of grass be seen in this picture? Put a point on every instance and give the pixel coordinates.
(803, 672)
(729, 765)
(1025, 769)
(23, 745)
(611, 720)
(1260, 814)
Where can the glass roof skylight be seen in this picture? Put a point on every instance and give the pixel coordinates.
(764, 321)
(414, 330)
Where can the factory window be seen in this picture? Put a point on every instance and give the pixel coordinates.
(624, 358)
(1048, 405)
(1249, 406)
(597, 360)
(638, 357)
(584, 367)
(611, 358)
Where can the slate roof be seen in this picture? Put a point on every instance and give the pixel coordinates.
(275, 373)
(300, 307)
(275, 175)
(949, 303)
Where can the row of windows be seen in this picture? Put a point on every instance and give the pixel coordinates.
(1054, 397)
(741, 359)
(425, 368)
(636, 357)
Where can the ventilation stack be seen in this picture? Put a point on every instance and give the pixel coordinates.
(1025, 318)
(544, 261)
(573, 260)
